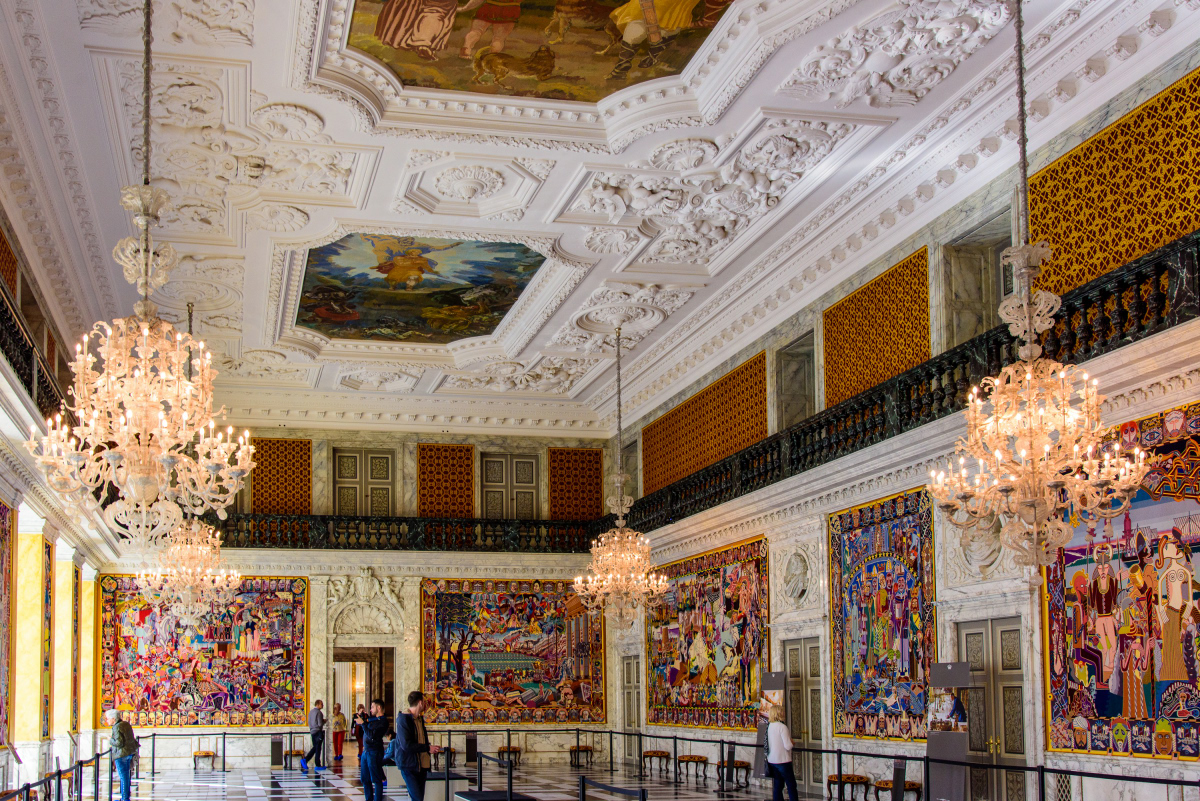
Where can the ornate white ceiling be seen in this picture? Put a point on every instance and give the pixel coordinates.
(804, 139)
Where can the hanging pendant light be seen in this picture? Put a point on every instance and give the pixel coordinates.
(189, 581)
(143, 397)
(1034, 459)
(620, 576)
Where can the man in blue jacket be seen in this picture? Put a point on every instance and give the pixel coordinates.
(413, 748)
(370, 772)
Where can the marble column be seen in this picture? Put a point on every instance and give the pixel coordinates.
(408, 656)
(89, 647)
(32, 690)
(63, 714)
(320, 656)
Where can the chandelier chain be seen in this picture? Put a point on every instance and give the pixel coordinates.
(617, 462)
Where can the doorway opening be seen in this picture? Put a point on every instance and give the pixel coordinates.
(361, 675)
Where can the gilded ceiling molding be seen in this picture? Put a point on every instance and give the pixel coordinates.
(551, 286)
(741, 43)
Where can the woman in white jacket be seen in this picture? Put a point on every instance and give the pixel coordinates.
(779, 756)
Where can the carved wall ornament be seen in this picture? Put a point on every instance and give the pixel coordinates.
(381, 380)
(205, 22)
(610, 240)
(706, 204)
(258, 364)
(554, 375)
(638, 308)
(276, 217)
(469, 182)
(897, 57)
(795, 577)
(363, 619)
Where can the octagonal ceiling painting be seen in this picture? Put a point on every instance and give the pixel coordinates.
(559, 49)
(412, 289)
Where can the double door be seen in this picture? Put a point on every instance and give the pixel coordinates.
(804, 663)
(631, 704)
(510, 486)
(995, 705)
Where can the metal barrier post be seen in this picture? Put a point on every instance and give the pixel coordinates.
(25, 791)
(96, 778)
(153, 748)
(611, 768)
(508, 741)
(1041, 774)
(925, 760)
(223, 753)
(675, 755)
(110, 773)
(728, 768)
(58, 784)
(643, 795)
(578, 759)
(582, 788)
(842, 784)
(479, 774)
(508, 784)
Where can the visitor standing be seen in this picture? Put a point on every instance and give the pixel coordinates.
(124, 747)
(370, 773)
(316, 730)
(779, 756)
(339, 731)
(357, 729)
(414, 746)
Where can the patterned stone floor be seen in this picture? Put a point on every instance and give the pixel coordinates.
(545, 782)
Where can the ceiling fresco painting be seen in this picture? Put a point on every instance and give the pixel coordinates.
(558, 49)
(412, 289)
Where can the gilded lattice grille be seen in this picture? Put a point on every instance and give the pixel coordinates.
(8, 265)
(576, 483)
(878, 331)
(445, 480)
(281, 483)
(1125, 192)
(727, 416)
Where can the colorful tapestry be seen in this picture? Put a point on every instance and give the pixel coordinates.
(706, 643)
(245, 665)
(8, 586)
(883, 636)
(511, 652)
(1123, 611)
(47, 635)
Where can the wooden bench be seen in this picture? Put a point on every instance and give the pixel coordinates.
(852, 779)
(886, 784)
(510, 752)
(695, 762)
(290, 754)
(211, 756)
(579, 753)
(649, 756)
(737, 764)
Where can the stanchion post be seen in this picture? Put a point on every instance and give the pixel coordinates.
(508, 783)
(925, 760)
(675, 755)
(728, 768)
(96, 778)
(479, 773)
(1041, 774)
(841, 784)
(153, 748)
(223, 752)
(642, 794)
(582, 788)
(110, 773)
(641, 756)
(611, 764)
(58, 784)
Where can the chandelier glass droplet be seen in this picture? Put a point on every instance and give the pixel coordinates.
(188, 580)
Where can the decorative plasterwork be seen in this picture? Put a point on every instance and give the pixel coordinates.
(205, 22)
(213, 284)
(731, 55)
(702, 196)
(898, 56)
(552, 375)
(394, 381)
(555, 279)
(235, 161)
(858, 218)
(438, 182)
(259, 366)
(638, 308)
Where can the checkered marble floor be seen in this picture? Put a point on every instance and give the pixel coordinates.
(543, 782)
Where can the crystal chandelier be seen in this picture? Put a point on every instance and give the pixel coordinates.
(620, 576)
(1034, 459)
(188, 579)
(144, 420)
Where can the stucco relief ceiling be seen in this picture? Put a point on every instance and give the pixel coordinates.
(770, 151)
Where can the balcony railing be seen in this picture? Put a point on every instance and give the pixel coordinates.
(1146, 296)
(405, 533)
(16, 343)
